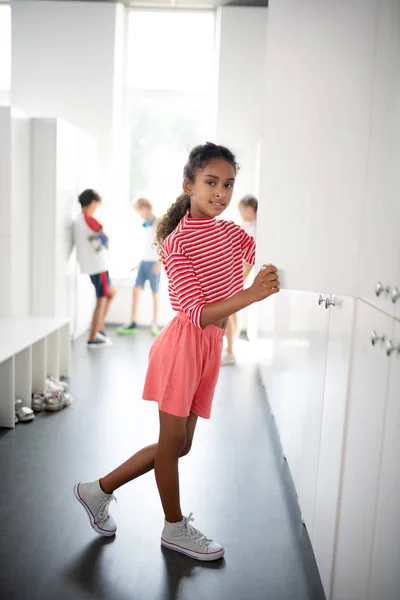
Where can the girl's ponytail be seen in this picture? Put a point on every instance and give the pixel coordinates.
(174, 214)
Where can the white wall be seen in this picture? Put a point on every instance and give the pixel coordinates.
(63, 65)
(241, 40)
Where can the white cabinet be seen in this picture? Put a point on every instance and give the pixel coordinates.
(307, 430)
(293, 358)
(20, 213)
(329, 218)
(5, 171)
(15, 202)
(380, 256)
(54, 198)
(362, 455)
(30, 350)
(320, 66)
(291, 325)
(63, 164)
(331, 432)
(385, 567)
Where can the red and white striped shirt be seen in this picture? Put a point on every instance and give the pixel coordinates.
(203, 259)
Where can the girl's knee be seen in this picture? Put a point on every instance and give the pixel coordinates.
(186, 449)
(173, 446)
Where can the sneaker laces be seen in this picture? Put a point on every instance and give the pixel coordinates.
(194, 534)
(102, 513)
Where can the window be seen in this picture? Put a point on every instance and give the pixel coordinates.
(5, 54)
(170, 107)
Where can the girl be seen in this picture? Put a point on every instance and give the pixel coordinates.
(248, 211)
(203, 258)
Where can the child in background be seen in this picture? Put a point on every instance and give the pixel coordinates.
(203, 258)
(149, 269)
(248, 211)
(92, 253)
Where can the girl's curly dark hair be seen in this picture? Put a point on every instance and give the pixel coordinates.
(198, 158)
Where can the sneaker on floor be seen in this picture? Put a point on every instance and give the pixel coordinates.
(103, 337)
(96, 503)
(58, 382)
(23, 413)
(52, 385)
(57, 401)
(228, 359)
(97, 343)
(154, 330)
(184, 538)
(127, 329)
(39, 400)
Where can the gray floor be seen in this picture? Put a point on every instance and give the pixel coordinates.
(234, 481)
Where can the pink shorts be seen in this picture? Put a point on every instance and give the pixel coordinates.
(183, 369)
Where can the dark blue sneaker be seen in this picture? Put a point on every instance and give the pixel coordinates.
(98, 343)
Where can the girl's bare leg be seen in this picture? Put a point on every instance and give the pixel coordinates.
(180, 431)
(171, 444)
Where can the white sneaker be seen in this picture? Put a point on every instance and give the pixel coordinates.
(184, 538)
(228, 359)
(58, 382)
(53, 386)
(103, 337)
(96, 503)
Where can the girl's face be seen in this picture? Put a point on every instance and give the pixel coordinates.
(211, 192)
(247, 213)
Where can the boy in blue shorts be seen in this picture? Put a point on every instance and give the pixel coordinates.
(149, 269)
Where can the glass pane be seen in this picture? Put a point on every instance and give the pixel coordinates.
(170, 50)
(170, 107)
(163, 129)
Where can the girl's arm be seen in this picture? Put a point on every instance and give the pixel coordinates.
(190, 295)
(265, 284)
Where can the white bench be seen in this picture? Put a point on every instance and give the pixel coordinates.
(31, 348)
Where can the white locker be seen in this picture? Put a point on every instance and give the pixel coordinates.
(380, 255)
(385, 567)
(362, 454)
(320, 66)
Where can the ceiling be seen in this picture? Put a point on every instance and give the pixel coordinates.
(181, 3)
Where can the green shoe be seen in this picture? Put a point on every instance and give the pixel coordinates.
(130, 330)
(154, 330)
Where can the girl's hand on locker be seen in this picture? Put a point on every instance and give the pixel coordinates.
(265, 284)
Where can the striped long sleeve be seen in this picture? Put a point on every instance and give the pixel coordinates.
(203, 259)
(184, 284)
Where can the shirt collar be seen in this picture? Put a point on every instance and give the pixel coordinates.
(191, 223)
